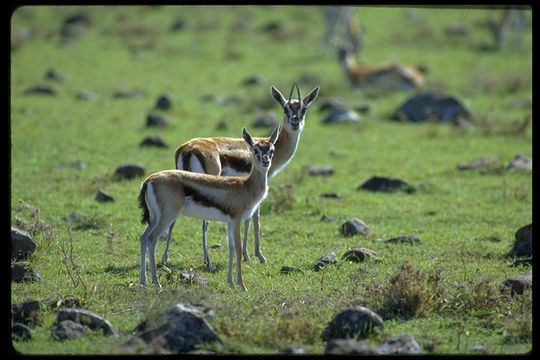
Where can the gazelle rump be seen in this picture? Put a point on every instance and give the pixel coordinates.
(394, 76)
(230, 157)
(167, 194)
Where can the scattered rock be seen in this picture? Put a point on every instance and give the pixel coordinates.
(268, 119)
(272, 26)
(328, 219)
(40, 90)
(523, 243)
(340, 116)
(355, 322)
(359, 255)
(154, 140)
(410, 239)
(75, 164)
(68, 330)
(293, 350)
(86, 318)
(520, 163)
(215, 246)
(184, 328)
(287, 269)
(348, 347)
(324, 260)
(332, 104)
(402, 344)
(129, 171)
(128, 94)
(478, 349)
(20, 272)
(177, 25)
(320, 170)
(164, 102)
(103, 196)
(432, 106)
(384, 184)
(26, 312)
(55, 75)
(517, 284)
(20, 332)
(86, 95)
(157, 120)
(354, 226)
(330, 195)
(191, 277)
(254, 80)
(479, 163)
(222, 124)
(22, 245)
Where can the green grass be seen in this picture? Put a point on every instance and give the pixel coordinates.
(454, 212)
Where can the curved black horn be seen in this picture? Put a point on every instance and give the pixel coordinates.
(290, 94)
(298, 92)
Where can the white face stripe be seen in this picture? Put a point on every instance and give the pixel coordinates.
(195, 164)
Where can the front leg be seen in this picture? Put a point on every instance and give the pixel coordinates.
(246, 238)
(256, 228)
(238, 248)
(230, 235)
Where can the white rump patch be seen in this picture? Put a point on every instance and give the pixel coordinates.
(196, 210)
(151, 202)
(195, 164)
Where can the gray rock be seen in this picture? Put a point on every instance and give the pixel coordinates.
(479, 163)
(287, 269)
(185, 327)
(520, 163)
(40, 90)
(293, 350)
(384, 184)
(349, 347)
(21, 272)
(523, 243)
(154, 140)
(268, 119)
(519, 283)
(330, 195)
(103, 196)
(53, 74)
(341, 116)
(86, 95)
(402, 344)
(177, 25)
(356, 322)
(478, 349)
(191, 277)
(329, 258)
(21, 332)
(359, 255)
(164, 102)
(68, 329)
(430, 106)
(76, 164)
(129, 171)
(86, 318)
(409, 239)
(332, 104)
(320, 170)
(254, 80)
(354, 226)
(128, 94)
(157, 120)
(26, 312)
(22, 245)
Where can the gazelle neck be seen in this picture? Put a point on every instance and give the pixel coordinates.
(285, 148)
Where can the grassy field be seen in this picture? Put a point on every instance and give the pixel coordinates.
(466, 219)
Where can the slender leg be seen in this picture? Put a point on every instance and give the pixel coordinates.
(230, 235)
(142, 273)
(165, 256)
(246, 238)
(206, 257)
(258, 252)
(152, 242)
(238, 248)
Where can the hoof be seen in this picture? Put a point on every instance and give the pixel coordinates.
(262, 259)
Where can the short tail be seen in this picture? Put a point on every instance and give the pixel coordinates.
(145, 218)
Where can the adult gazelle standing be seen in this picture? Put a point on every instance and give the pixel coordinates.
(166, 194)
(230, 157)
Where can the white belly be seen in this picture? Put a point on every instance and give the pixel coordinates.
(229, 171)
(196, 210)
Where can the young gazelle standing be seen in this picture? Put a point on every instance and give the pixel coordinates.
(229, 156)
(166, 194)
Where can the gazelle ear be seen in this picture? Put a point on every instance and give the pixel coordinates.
(275, 134)
(247, 137)
(278, 97)
(311, 96)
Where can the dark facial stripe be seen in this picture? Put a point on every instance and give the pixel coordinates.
(202, 200)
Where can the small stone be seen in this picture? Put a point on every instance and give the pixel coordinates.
(86, 318)
(74, 164)
(26, 312)
(253, 80)
(154, 140)
(129, 171)
(222, 124)
(128, 94)
(523, 243)
(320, 170)
(384, 184)
(103, 196)
(55, 75)
(22, 244)
(478, 349)
(329, 258)
(68, 329)
(330, 195)
(287, 269)
(520, 163)
(268, 119)
(21, 332)
(40, 90)
(519, 283)
(20, 272)
(356, 322)
(177, 25)
(191, 277)
(432, 106)
(349, 347)
(293, 350)
(157, 120)
(354, 226)
(341, 116)
(86, 95)
(328, 219)
(359, 254)
(216, 246)
(478, 164)
(410, 239)
(402, 344)
(164, 102)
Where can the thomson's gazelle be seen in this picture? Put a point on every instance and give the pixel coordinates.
(166, 194)
(230, 157)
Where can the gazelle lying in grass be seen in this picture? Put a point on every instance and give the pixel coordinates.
(166, 194)
(393, 76)
(230, 156)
